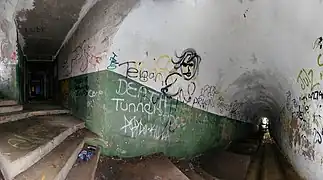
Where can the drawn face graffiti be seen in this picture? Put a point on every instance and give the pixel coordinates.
(188, 63)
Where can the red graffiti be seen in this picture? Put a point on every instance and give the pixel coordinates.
(14, 56)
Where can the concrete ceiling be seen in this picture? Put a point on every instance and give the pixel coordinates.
(45, 27)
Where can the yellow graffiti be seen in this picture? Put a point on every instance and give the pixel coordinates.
(65, 90)
(21, 142)
(318, 60)
(43, 177)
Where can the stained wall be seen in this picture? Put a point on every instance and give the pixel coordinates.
(9, 48)
(184, 76)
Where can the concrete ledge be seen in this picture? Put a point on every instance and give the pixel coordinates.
(85, 170)
(8, 117)
(23, 143)
(12, 108)
(57, 164)
(8, 102)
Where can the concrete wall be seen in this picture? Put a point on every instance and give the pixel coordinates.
(8, 47)
(131, 113)
(222, 60)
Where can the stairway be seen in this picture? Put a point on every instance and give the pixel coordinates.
(42, 142)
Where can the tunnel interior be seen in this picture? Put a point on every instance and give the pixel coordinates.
(182, 82)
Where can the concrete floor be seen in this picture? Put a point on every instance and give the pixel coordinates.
(246, 159)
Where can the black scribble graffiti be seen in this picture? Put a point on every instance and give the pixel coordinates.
(235, 109)
(315, 95)
(299, 113)
(188, 63)
(318, 136)
(245, 13)
(186, 68)
(318, 44)
(206, 98)
(289, 105)
(170, 125)
(83, 54)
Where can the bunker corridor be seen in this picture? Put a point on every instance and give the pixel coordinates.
(160, 89)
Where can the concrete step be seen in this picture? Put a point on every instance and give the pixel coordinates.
(27, 113)
(221, 163)
(23, 143)
(146, 168)
(84, 170)
(8, 102)
(188, 169)
(56, 164)
(10, 108)
(204, 174)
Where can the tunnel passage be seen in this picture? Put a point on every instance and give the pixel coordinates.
(178, 77)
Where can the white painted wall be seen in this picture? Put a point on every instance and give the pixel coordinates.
(252, 51)
(8, 42)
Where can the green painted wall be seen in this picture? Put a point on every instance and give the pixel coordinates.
(135, 120)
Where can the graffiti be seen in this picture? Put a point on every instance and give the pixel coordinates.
(318, 44)
(134, 128)
(188, 63)
(318, 136)
(113, 62)
(158, 108)
(143, 75)
(79, 88)
(299, 113)
(92, 93)
(206, 98)
(35, 29)
(65, 91)
(306, 79)
(235, 108)
(186, 68)
(150, 106)
(24, 143)
(315, 95)
(82, 56)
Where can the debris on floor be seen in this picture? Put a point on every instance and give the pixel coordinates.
(87, 153)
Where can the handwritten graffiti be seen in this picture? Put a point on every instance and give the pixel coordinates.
(147, 99)
(65, 91)
(206, 98)
(318, 44)
(306, 79)
(318, 136)
(143, 75)
(315, 95)
(24, 143)
(79, 88)
(35, 29)
(113, 62)
(134, 128)
(82, 56)
(157, 108)
(186, 68)
(235, 109)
